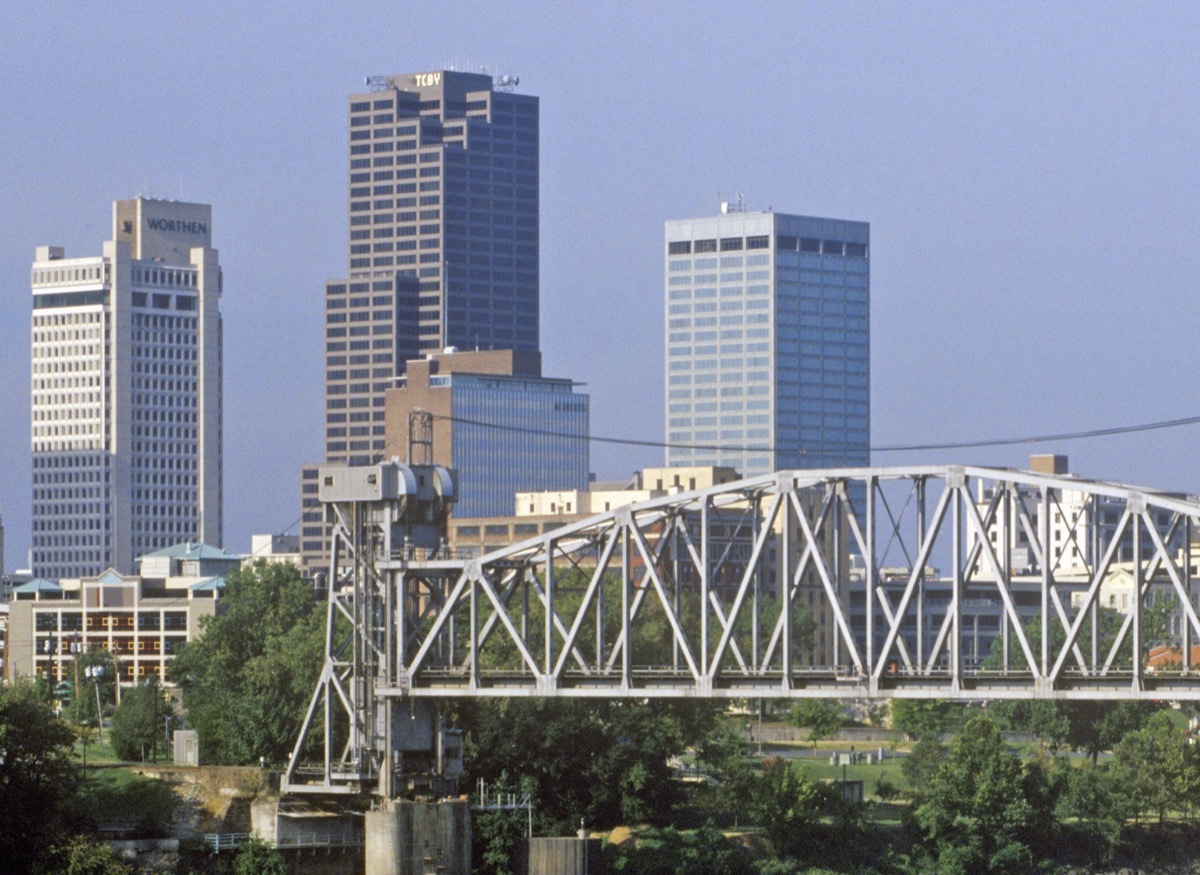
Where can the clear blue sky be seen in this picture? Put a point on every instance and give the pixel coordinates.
(1030, 172)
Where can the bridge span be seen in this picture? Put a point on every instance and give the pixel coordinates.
(948, 581)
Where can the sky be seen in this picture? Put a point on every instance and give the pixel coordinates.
(1030, 173)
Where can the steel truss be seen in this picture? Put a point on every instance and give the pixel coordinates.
(680, 596)
(786, 585)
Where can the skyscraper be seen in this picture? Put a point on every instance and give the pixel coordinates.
(443, 172)
(767, 342)
(126, 392)
(443, 213)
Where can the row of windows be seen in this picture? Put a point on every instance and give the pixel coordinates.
(163, 277)
(783, 242)
(90, 273)
(500, 163)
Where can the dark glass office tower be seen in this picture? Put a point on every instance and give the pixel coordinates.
(443, 171)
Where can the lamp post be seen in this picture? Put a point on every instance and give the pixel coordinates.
(97, 672)
(76, 650)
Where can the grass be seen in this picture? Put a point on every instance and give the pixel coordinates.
(122, 801)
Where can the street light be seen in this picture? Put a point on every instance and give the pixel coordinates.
(97, 672)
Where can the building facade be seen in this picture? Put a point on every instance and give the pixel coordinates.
(443, 173)
(443, 227)
(494, 418)
(1081, 527)
(126, 392)
(768, 341)
(141, 619)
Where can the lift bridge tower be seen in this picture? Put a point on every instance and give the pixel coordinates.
(370, 738)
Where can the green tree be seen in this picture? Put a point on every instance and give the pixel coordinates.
(704, 851)
(248, 678)
(256, 857)
(603, 761)
(1086, 726)
(37, 777)
(726, 757)
(822, 718)
(976, 813)
(919, 717)
(787, 805)
(86, 856)
(138, 723)
(1151, 765)
(97, 687)
(1096, 726)
(1046, 720)
(496, 834)
(1092, 802)
(921, 766)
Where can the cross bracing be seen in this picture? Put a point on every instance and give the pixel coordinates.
(846, 583)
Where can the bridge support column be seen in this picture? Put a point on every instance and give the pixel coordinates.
(412, 838)
(1043, 688)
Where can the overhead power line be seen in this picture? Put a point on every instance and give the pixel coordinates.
(892, 448)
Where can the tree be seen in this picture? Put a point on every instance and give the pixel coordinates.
(976, 813)
(256, 857)
(1086, 726)
(603, 761)
(704, 851)
(822, 718)
(1091, 800)
(138, 723)
(36, 776)
(1152, 765)
(1096, 726)
(919, 717)
(787, 805)
(248, 678)
(1046, 720)
(727, 759)
(97, 687)
(921, 766)
(85, 856)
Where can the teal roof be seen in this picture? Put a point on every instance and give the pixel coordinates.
(209, 585)
(38, 585)
(110, 576)
(192, 550)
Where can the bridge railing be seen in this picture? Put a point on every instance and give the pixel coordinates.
(231, 841)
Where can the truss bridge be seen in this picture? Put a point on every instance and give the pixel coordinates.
(956, 582)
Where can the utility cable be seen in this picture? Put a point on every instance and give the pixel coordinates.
(892, 448)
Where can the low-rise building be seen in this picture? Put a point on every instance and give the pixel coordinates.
(274, 550)
(142, 619)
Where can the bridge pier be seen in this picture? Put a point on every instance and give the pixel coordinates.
(411, 838)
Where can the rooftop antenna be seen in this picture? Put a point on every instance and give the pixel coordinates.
(376, 83)
(507, 83)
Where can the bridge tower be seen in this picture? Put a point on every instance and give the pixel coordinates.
(383, 517)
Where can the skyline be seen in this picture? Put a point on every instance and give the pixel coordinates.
(1027, 174)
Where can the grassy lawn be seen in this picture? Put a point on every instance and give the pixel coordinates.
(116, 798)
(820, 770)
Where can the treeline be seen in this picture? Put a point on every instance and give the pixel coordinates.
(973, 804)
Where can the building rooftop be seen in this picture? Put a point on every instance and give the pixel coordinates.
(39, 585)
(190, 550)
(211, 584)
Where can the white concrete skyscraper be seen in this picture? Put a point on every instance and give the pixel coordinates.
(126, 392)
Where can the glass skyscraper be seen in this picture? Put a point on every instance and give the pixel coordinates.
(443, 234)
(767, 342)
(443, 212)
(495, 418)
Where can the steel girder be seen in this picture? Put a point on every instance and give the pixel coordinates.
(715, 593)
(804, 583)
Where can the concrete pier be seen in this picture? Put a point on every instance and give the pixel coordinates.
(414, 838)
